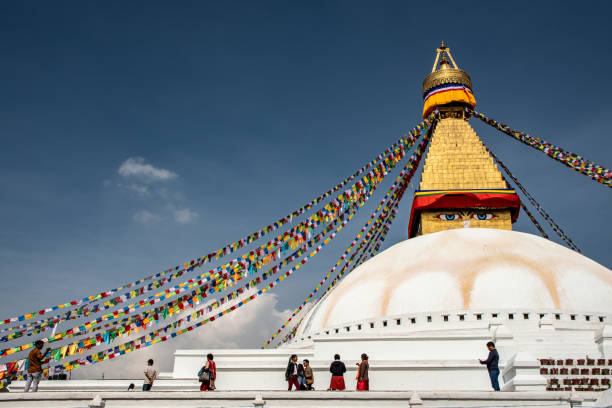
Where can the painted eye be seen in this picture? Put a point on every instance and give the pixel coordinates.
(483, 216)
(448, 217)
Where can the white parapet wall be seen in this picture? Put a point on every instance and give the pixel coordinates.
(522, 373)
(435, 351)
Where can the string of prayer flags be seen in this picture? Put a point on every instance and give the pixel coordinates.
(330, 212)
(534, 221)
(537, 206)
(232, 247)
(172, 308)
(161, 334)
(403, 179)
(572, 160)
(351, 200)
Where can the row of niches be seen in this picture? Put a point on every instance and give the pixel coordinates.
(600, 362)
(420, 321)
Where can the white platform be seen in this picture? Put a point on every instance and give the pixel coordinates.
(297, 399)
(437, 351)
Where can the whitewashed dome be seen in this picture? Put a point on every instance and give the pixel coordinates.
(463, 269)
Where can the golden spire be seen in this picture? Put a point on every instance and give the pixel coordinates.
(461, 186)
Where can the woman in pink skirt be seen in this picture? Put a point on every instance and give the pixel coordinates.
(363, 381)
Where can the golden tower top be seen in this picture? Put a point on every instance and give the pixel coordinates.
(461, 186)
(446, 85)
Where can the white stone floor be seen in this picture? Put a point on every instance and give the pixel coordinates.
(434, 399)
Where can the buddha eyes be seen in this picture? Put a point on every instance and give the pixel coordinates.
(483, 216)
(448, 216)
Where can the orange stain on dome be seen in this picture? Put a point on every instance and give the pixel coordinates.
(504, 253)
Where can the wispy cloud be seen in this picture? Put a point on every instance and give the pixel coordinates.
(146, 217)
(139, 188)
(185, 216)
(136, 167)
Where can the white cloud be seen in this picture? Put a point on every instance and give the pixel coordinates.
(185, 216)
(137, 167)
(146, 217)
(259, 319)
(139, 188)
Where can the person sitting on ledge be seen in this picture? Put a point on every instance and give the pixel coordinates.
(492, 365)
(337, 368)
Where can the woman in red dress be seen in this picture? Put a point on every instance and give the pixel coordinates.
(211, 367)
(363, 381)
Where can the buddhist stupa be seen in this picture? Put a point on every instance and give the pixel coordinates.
(424, 308)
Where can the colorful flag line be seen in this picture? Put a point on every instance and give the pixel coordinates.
(134, 322)
(156, 336)
(111, 334)
(402, 181)
(230, 248)
(576, 162)
(537, 206)
(249, 261)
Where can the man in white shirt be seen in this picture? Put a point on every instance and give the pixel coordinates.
(150, 376)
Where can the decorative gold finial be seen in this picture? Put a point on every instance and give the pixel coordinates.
(444, 63)
(456, 83)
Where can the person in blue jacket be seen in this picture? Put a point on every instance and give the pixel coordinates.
(492, 365)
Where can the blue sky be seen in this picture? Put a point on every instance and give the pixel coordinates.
(137, 135)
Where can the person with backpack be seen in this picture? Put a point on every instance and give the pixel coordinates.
(208, 374)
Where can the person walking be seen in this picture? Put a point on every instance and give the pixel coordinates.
(308, 375)
(210, 369)
(492, 362)
(291, 373)
(363, 381)
(35, 366)
(150, 376)
(337, 368)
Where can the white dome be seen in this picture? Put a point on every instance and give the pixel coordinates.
(462, 269)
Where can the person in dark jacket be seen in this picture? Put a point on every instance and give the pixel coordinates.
(492, 365)
(337, 368)
(291, 373)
